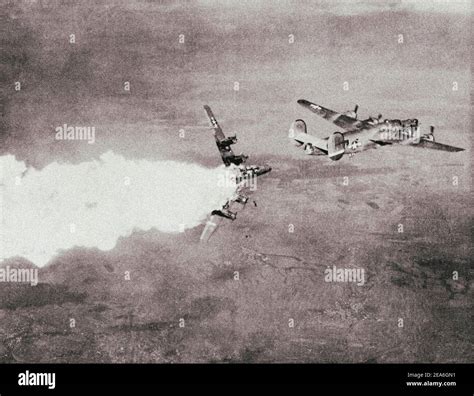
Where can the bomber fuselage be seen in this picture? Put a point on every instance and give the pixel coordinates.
(373, 132)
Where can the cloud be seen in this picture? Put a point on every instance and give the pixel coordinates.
(92, 204)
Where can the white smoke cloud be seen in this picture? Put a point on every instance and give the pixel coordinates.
(93, 203)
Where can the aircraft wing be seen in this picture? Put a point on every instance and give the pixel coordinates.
(223, 143)
(429, 144)
(341, 120)
(210, 227)
(314, 141)
(218, 134)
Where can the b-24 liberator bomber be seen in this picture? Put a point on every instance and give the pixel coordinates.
(360, 135)
(245, 176)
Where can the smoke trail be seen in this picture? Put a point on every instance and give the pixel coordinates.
(93, 203)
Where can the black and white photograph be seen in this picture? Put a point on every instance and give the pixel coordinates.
(236, 184)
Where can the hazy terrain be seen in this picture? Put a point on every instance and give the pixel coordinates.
(281, 274)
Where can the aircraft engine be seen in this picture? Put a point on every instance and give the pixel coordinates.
(239, 159)
(228, 141)
(429, 136)
(352, 113)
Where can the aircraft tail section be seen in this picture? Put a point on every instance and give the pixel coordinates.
(298, 133)
(297, 127)
(336, 146)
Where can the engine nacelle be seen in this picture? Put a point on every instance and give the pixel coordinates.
(238, 159)
(430, 136)
(352, 113)
(228, 141)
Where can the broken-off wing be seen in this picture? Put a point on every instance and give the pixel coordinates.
(223, 144)
(210, 227)
(218, 134)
